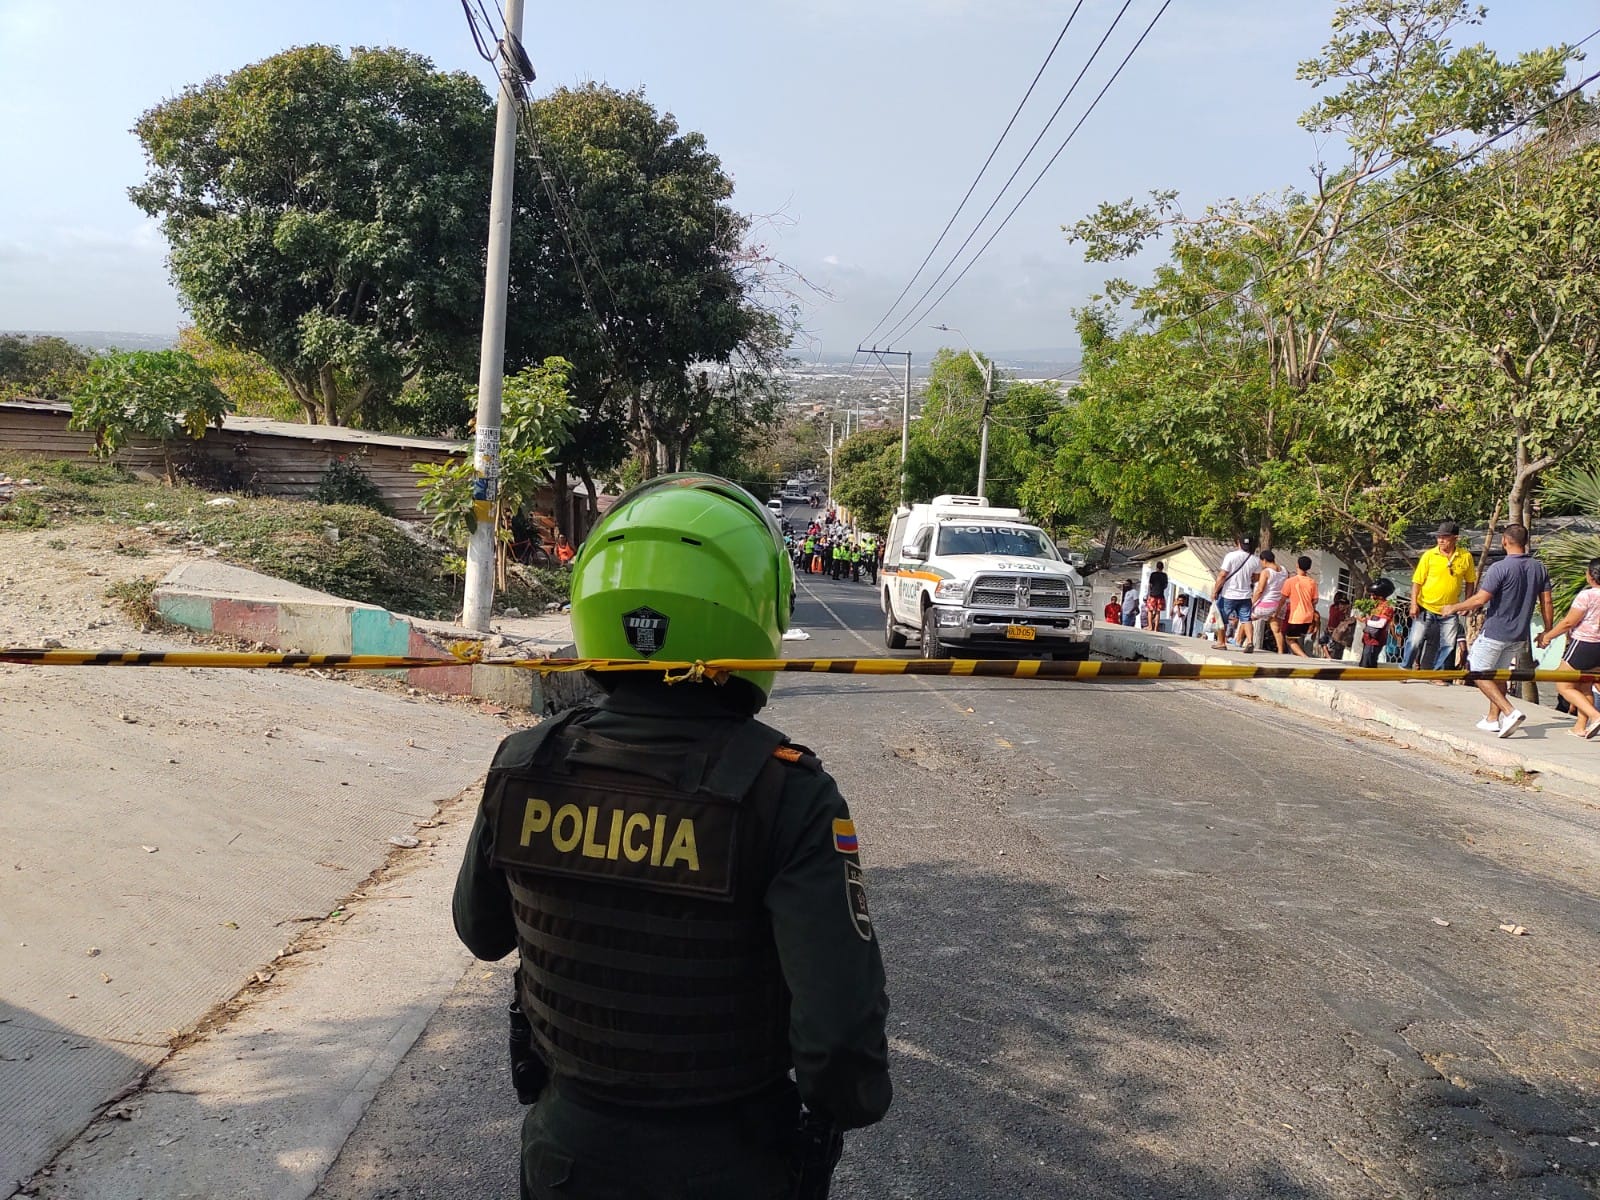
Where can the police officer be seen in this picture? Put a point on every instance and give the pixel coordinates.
(682, 885)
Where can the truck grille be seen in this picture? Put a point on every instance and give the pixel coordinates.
(1020, 591)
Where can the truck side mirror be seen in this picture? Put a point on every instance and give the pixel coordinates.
(910, 551)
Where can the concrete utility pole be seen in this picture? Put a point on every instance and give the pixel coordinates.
(983, 430)
(479, 592)
(905, 412)
(827, 501)
(987, 368)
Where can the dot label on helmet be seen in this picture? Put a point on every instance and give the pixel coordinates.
(645, 629)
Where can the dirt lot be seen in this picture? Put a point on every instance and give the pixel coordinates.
(53, 584)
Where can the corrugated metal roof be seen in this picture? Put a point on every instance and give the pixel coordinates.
(289, 429)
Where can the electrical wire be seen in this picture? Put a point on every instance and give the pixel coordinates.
(915, 316)
(995, 149)
(904, 323)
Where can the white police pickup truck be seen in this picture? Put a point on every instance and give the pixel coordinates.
(960, 575)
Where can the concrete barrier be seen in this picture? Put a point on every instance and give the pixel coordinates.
(212, 597)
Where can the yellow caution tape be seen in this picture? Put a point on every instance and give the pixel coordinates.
(715, 669)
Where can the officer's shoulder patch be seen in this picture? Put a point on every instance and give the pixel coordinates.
(798, 755)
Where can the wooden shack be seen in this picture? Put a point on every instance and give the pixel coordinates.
(273, 458)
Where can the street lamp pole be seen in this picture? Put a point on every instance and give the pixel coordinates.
(905, 412)
(987, 368)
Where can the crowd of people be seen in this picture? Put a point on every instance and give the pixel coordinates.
(1256, 600)
(832, 548)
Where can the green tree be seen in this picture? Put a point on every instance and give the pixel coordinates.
(156, 394)
(39, 365)
(1493, 282)
(866, 476)
(1567, 555)
(536, 418)
(253, 387)
(1227, 374)
(638, 272)
(327, 212)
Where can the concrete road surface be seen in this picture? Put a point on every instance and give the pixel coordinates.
(1151, 941)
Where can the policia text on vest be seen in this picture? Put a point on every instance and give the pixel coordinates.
(668, 842)
(630, 833)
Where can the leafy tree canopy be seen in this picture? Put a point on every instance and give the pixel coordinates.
(636, 271)
(327, 212)
(39, 365)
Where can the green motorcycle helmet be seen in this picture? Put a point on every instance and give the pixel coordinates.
(684, 567)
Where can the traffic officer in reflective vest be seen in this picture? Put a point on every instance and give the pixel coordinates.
(682, 884)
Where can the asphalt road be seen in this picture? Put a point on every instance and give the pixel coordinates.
(1149, 940)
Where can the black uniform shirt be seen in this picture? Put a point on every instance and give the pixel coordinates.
(816, 898)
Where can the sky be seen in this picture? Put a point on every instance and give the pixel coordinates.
(851, 128)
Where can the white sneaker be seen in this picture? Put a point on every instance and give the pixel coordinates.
(1510, 721)
(1489, 725)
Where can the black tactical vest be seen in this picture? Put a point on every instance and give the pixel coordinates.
(649, 973)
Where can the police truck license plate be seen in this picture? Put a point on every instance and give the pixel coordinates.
(1023, 633)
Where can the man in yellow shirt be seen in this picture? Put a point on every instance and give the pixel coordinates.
(1443, 576)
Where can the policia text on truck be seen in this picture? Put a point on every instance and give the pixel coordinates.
(700, 997)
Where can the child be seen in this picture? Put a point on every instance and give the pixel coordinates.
(1113, 613)
(1375, 625)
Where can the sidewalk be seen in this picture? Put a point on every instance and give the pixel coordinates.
(1436, 720)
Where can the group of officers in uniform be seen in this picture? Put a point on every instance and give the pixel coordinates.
(700, 999)
(837, 552)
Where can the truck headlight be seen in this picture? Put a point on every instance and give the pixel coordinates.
(950, 591)
(1083, 593)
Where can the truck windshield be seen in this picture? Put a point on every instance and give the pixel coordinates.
(1016, 541)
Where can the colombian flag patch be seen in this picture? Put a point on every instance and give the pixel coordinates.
(844, 836)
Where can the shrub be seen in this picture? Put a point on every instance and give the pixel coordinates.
(344, 482)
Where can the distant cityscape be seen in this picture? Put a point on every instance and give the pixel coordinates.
(869, 390)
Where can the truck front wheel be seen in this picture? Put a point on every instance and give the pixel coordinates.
(892, 637)
(930, 634)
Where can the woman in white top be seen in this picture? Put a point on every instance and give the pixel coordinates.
(1266, 604)
(1582, 624)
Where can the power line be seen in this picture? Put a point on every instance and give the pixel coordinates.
(995, 149)
(1017, 170)
(916, 316)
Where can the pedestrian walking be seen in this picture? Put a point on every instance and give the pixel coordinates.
(1581, 627)
(682, 885)
(1236, 579)
(1445, 574)
(1266, 602)
(1509, 590)
(1300, 606)
(1130, 603)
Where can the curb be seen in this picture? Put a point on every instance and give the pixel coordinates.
(258, 608)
